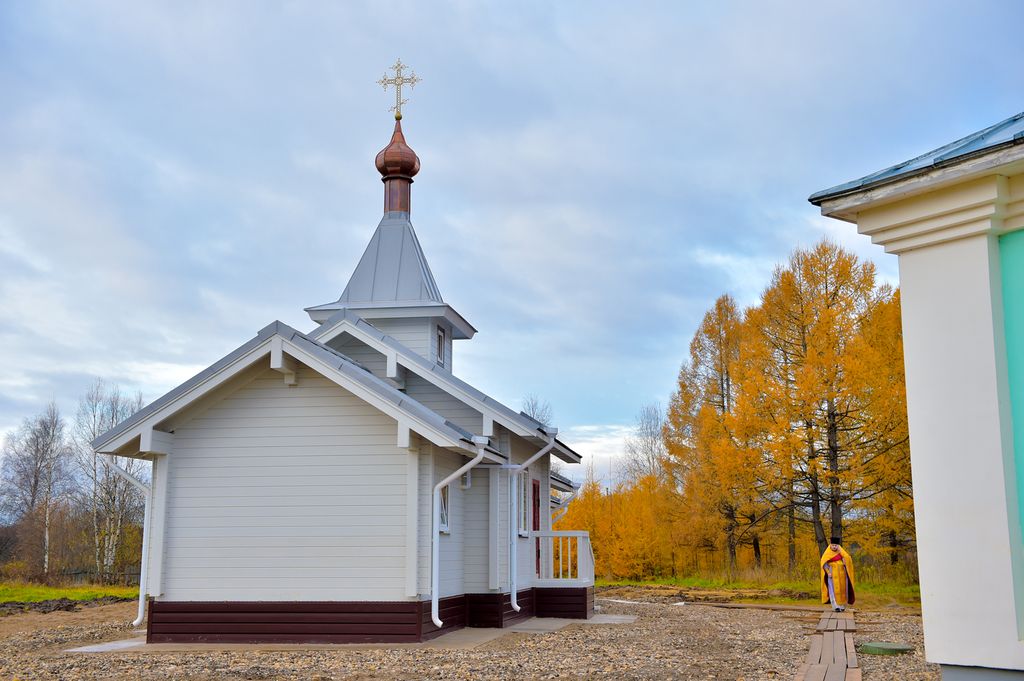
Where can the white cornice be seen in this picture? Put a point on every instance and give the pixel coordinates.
(989, 204)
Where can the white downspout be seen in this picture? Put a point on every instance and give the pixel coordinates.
(513, 524)
(147, 492)
(143, 567)
(564, 508)
(435, 535)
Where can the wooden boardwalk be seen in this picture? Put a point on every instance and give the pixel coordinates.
(832, 656)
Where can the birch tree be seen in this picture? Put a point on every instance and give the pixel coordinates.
(112, 501)
(538, 409)
(645, 446)
(34, 477)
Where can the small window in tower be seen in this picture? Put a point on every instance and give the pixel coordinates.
(440, 346)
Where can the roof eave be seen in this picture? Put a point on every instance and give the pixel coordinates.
(562, 484)
(566, 453)
(463, 330)
(846, 203)
(348, 321)
(520, 424)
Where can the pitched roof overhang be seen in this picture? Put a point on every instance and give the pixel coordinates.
(999, 146)
(281, 338)
(347, 321)
(463, 329)
(562, 483)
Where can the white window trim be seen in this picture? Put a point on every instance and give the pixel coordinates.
(442, 338)
(525, 508)
(445, 519)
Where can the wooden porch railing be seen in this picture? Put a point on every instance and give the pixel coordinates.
(566, 559)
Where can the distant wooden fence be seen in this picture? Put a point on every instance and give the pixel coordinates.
(127, 578)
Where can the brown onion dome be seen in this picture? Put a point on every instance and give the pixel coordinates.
(397, 158)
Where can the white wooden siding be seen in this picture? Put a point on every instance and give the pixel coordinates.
(441, 402)
(465, 551)
(476, 525)
(360, 352)
(286, 493)
(505, 447)
(451, 543)
(416, 333)
(426, 489)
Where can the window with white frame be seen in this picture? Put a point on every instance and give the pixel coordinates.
(443, 517)
(524, 502)
(440, 346)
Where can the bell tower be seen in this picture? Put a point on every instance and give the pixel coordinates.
(393, 287)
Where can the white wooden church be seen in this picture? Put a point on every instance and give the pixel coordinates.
(343, 485)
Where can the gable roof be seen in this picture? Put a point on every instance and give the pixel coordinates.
(327, 361)
(518, 422)
(1003, 134)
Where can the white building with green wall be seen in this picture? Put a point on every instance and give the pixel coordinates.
(955, 218)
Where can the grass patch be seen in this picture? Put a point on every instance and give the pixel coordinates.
(23, 592)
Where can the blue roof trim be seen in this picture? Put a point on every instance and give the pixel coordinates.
(1003, 134)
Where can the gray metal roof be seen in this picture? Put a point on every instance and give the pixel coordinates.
(561, 482)
(393, 269)
(1003, 134)
(329, 356)
(426, 365)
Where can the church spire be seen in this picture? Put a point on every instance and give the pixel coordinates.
(397, 162)
(392, 283)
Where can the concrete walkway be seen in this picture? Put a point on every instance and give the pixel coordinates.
(460, 639)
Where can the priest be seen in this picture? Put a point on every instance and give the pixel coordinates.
(837, 577)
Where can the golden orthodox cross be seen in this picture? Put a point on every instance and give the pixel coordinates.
(398, 80)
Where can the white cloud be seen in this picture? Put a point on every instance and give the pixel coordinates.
(601, 446)
(598, 441)
(12, 245)
(173, 177)
(748, 274)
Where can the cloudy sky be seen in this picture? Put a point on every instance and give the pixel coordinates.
(174, 176)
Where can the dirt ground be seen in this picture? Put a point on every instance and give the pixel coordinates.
(87, 614)
(666, 642)
(663, 593)
(66, 604)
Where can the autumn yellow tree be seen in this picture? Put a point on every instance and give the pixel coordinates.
(707, 456)
(885, 517)
(787, 426)
(814, 320)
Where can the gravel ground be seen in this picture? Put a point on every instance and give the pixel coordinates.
(666, 642)
(894, 627)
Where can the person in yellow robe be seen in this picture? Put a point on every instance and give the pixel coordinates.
(837, 577)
